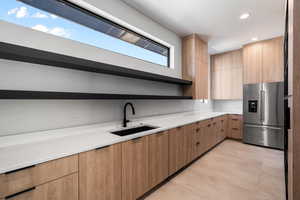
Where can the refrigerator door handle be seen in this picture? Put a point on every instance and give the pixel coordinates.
(269, 127)
(262, 105)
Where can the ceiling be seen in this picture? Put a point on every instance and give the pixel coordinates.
(217, 21)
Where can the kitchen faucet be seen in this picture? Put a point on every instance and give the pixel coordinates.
(125, 121)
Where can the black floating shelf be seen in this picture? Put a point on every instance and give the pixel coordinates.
(22, 94)
(30, 55)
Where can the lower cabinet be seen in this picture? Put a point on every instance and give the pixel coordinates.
(100, 173)
(124, 171)
(221, 127)
(235, 127)
(55, 180)
(177, 149)
(158, 158)
(65, 188)
(135, 168)
(190, 145)
(208, 134)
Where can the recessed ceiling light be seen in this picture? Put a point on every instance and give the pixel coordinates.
(254, 39)
(245, 16)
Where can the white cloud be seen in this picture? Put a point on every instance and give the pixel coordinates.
(58, 31)
(19, 12)
(40, 27)
(39, 15)
(53, 16)
(12, 11)
(22, 12)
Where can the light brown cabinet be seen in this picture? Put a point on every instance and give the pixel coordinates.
(235, 127)
(158, 158)
(190, 142)
(177, 149)
(195, 66)
(24, 179)
(272, 65)
(100, 173)
(135, 168)
(65, 188)
(227, 75)
(263, 61)
(208, 134)
(252, 59)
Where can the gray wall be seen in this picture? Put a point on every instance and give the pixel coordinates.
(21, 116)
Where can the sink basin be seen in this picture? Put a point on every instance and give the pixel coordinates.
(130, 131)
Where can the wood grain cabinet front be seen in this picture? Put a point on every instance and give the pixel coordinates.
(263, 61)
(227, 75)
(21, 180)
(158, 158)
(135, 168)
(65, 188)
(177, 149)
(235, 127)
(100, 173)
(195, 66)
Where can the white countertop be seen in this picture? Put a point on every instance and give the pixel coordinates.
(34, 148)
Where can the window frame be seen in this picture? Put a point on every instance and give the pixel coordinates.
(95, 12)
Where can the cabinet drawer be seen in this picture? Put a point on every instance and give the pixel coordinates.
(26, 178)
(235, 123)
(65, 188)
(236, 133)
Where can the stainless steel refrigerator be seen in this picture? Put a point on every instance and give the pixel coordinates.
(263, 106)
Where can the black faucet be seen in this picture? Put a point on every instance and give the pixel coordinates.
(133, 112)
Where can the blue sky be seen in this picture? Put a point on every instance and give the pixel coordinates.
(25, 15)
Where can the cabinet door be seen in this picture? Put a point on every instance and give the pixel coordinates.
(224, 127)
(215, 132)
(252, 57)
(195, 66)
(207, 134)
(158, 158)
(201, 141)
(227, 75)
(135, 168)
(235, 129)
(65, 188)
(100, 173)
(23, 179)
(177, 149)
(191, 133)
(272, 64)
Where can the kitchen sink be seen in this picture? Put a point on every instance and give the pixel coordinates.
(130, 131)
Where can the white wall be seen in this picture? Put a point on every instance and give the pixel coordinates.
(20, 116)
(228, 106)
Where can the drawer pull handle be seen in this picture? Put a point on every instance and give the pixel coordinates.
(198, 143)
(102, 147)
(236, 129)
(161, 134)
(234, 119)
(198, 129)
(136, 139)
(209, 125)
(13, 171)
(19, 193)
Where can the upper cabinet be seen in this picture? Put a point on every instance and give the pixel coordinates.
(273, 64)
(263, 61)
(252, 56)
(227, 75)
(195, 66)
